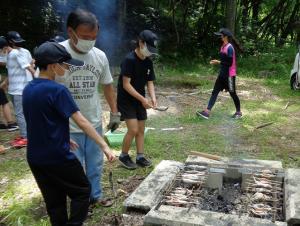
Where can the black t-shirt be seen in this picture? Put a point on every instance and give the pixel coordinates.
(139, 71)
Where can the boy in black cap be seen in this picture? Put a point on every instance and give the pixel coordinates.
(136, 72)
(47, 109)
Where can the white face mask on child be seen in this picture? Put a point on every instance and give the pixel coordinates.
(145, 52)
(62, 73)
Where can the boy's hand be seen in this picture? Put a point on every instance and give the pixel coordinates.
(147, 104)
(109, 154)
(73, 145)
(154, 103)
(114, 121)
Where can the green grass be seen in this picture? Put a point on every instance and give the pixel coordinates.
(263, 100)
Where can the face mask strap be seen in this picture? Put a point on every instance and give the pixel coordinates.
(65, 70)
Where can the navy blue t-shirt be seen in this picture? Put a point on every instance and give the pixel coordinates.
(139, 71)
(47, 107)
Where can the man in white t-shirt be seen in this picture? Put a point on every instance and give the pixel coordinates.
(19, 64)
(83, 83)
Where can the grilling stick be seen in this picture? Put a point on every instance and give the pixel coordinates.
(206, 155)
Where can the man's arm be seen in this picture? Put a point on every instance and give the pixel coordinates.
(110, 96)
(114, 120)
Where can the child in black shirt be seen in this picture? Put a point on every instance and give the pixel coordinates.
(136, 72)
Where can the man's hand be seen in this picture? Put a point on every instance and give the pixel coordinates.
(114, 121)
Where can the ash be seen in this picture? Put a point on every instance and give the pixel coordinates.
(230, 200)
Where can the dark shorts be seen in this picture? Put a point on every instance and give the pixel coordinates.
(3, 98)
(132, 111)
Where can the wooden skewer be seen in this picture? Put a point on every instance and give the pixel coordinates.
(206, 155)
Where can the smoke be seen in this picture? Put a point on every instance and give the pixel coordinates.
(106, 11)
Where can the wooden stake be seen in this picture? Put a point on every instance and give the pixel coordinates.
(206, 155)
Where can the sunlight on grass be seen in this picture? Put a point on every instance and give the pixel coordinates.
(19, 199)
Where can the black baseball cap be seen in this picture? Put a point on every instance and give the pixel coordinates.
(57, 38)
(224, 31)
(52, 52)
(3, 42)
(15, 37)
(151, 40)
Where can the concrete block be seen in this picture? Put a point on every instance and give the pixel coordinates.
(255, 163)
(230, 163)
(292, 196)
(150, 190)
(178, 216)
(233, 173)
(214, 180)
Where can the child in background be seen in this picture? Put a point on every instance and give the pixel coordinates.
(8, 124)
(19, 64)
(227, 74)
(136, 72)
(47, 108)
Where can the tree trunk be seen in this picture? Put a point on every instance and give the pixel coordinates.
(245, 14)
(289, 26)
(230, 15)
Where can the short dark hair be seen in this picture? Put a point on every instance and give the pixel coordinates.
(81, 16)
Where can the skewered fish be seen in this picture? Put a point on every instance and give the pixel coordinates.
(191, 181)
(258, 196)
(196, 167)
(261, 209)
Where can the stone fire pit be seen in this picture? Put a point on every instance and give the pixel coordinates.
(203, 192)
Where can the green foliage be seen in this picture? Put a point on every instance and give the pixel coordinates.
(274, 63)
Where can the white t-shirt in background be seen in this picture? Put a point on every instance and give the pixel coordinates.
(83, 83)
(17, 62)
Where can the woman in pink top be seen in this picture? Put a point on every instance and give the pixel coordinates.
(227, 74)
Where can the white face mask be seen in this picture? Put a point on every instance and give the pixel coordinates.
(65, 71)
(145, 52)
(84, 45)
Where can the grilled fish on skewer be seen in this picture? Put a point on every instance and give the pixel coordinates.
(196, 167)
(258, 196)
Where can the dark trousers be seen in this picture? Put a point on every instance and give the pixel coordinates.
(227, 84)
(56, 183)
